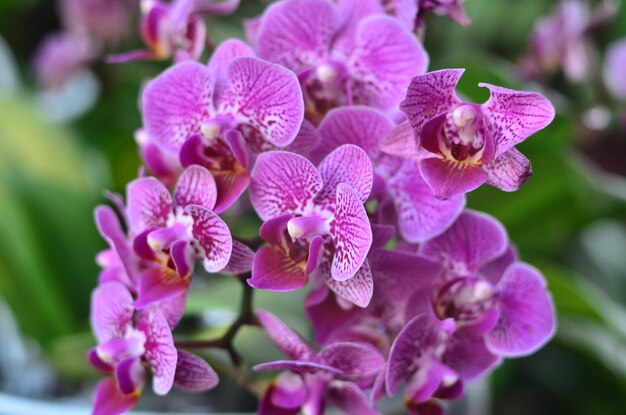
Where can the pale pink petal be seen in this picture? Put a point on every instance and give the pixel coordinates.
(111, 230)
(357, 290)
(400, 141)
(355, 361)
(149, 204)
(213, 236)
(351, 233)
(514, 116)
(111, 311)
(160, 351)
(196, 186)
(509, 171)
(240, 259)
(283, 183)
(177, 102)
(226, 52)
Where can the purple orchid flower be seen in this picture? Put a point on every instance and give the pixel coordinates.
(158, 161)
(614, 64)
(419, 214)
(349, 53)
(435, 361)
(486, 291)
(175, 232)
(462, 145)
(168, 30)
(451, 8)
(314, 218)
(131, 342)
(215, 115)
(105, 21)
(337, 374)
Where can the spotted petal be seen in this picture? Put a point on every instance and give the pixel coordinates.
(348, 164)
(509, 171)
(297, 34)
(160, 352)
(194, 374)
(351, 233)
(266, 97)
(273, 269)
(515, 115)
(356, 361)
(473, 240)
(526, 313)
(111, 311)
(357, 290)
(429, 95)
(213, 235)
(196, 186)
(283, 183)
(149, 204)
(177, 102)
(386, 57)
(226, 52)
(421, 216)
(283, 337)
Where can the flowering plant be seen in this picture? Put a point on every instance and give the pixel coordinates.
(357, 160)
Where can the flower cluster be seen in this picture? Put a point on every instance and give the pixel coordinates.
(357, 160)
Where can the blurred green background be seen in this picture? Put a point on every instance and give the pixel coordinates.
(569, 219)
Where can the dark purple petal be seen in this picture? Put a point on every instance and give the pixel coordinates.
(381, 235)
(160, 352)
(468, 356)
(473, 240)
(290, 391)
(266, 97)
(316, 252)
(111, 311)
(358, 125)
(355, 361)
(149, 204)
(326, 316)
(351, 233)
(267, 407)
(130, 375)
(283, 337)
(283, 183)
(226, 52)
(357, 289)
(273, 230)
(273, 269)
(347, 164)
(213, 235)
(515, 115)
(230, 185)
(97, 362)
(194, 374)
(196, 186)
(297, 366)
(237, 144)
(158, 284)
(177, 102)
(297, 34)
(111, 230)
(240, 260)
(421, 216)
(527, 316)
(109, 400)
(509, 171)
(450, 178)
(425, 382)
(350, 399)
(386, 57)
(307, 140)
(429, 95)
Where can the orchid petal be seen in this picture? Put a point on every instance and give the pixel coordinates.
(194, 374)
(527, 316)
(290, 391)
(160, 352)
(348, 164)
(226, 52)
(111, 230)
(450, 178)
(474, 239)
(297, 366)
(177, 102)
(421, 216)
(110, 400)
(213, 235)
(240, 260)
(357, 289)
(216, 7)
(274, 270)
(266, 97)
(149, 204)
(515, 115)
(183, 257)
(350, 399)
(355, 361)
(400, 141)
(111, 311)
(273, 231)
(468, 356)
(305, 26)
(283, 183)
(196, 186)
(158, 284)
(316, 254)
(509, 171)
(283, 337)
(386, 57)
(267, 407)
(429, 95)
(130, 375)
(351, 233)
